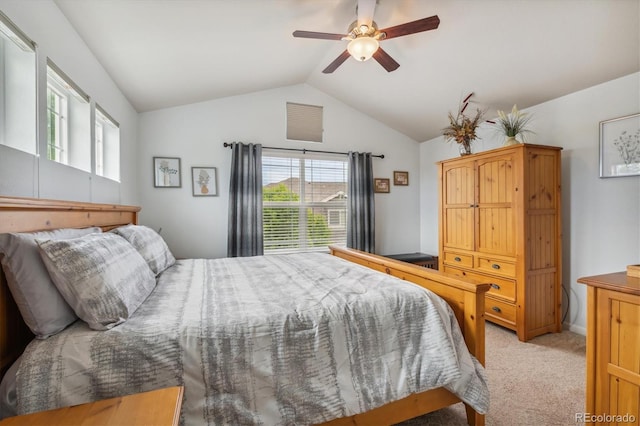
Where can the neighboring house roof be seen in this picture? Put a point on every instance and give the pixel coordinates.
(315, 191)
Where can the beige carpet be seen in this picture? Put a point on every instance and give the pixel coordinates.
(541, 382)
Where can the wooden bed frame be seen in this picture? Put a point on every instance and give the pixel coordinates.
(466, 298)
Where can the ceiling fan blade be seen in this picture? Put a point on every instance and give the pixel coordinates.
(336, 63)
(313, 34)
(365, 9)
(425, 24)
(387, 62)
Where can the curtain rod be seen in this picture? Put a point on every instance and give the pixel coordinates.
(303, 150)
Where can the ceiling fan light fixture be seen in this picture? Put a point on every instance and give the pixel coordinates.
(363, 48)
(364, 37)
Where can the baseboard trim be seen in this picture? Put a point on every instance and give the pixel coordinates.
(575, 328)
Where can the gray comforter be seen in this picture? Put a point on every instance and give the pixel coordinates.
(289, 339)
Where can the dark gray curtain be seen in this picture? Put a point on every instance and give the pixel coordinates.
(245, 201)
(361, 210)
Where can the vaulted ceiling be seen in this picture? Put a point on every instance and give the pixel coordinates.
(164, 53)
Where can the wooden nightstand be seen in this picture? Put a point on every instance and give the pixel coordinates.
(158, 407)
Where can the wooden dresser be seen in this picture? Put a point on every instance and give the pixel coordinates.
(500, 223)
(613, 348)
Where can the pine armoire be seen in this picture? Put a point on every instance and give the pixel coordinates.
(500, 223)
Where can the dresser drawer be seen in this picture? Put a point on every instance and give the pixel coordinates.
(500, 287)
(458, 259)
(494, 266)
(500, 310)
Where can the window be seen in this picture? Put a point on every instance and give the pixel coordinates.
(99, 132)
(337, 218)
(17, 88)
(56, 125)
(304, 122)
(68, 121)
(107, 142)
(304, 203)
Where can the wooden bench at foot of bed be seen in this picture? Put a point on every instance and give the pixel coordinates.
(466, 298)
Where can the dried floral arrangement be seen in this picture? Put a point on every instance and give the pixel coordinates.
(462, 128)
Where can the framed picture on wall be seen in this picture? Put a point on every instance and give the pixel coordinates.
(620, 146)
(381, 185)
(204, 181)
(401, 178)
(167, 172)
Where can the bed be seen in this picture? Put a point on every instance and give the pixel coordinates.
(466, 300)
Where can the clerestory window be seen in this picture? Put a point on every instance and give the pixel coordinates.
(17, 88)
(68, 121)
(107, 142)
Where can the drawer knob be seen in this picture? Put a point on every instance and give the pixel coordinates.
(495, 266)
(457, 259)
(496, 309)
(496, 286)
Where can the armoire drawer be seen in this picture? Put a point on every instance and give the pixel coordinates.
(458, 259)
(502, 310)
(494, 266)
(500, 287)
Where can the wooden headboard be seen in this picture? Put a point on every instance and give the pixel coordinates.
(33, 214)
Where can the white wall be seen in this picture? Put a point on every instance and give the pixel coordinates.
(601, 217)
(26, 175)
(197, 227)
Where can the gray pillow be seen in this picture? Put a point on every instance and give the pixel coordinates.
(149, 244)
(42, 307)
(101, 276)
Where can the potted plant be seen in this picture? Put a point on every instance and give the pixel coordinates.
(462, 129)
(512, 125)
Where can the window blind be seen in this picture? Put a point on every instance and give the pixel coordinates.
(304, 122)
(304, 203)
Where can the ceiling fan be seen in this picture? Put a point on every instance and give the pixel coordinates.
(364, 37)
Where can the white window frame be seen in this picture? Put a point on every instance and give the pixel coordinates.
(106, 145)
(60, 110)
(73, 116)
(99, 146)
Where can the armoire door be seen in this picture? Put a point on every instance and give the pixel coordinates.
(458, 203)
(496, 227)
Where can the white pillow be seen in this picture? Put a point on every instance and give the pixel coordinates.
(149, 244)
(102, 277)
(41, 305)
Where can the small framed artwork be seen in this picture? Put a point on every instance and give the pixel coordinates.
(401, 178)
(381, 185)
(204, 181)
(167, 172)
(620, 146)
